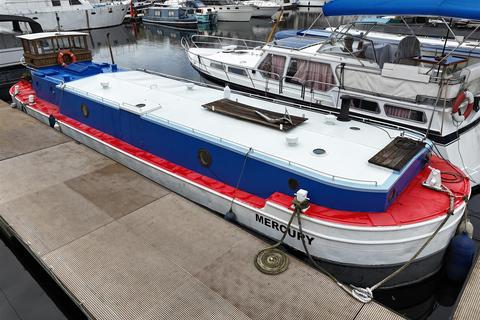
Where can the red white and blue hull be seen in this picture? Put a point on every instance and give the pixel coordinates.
(359, 247)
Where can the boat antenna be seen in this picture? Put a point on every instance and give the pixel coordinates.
(110, 47)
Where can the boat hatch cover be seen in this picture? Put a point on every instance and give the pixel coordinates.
(397, 153)
(281, 121)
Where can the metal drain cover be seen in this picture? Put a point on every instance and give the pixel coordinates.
(271, 261)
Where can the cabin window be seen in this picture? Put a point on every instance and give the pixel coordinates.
(360, 104)
(171, 13)
(110, 10)
(157, 13)
(216, 65)
(272, 66)
(238, 71)
(316, 75)
(56, 3)
(405, 113)
(45, 46)
(74, 2)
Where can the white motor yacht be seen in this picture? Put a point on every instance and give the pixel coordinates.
(263, 9)
(68, 14)
(228, 10)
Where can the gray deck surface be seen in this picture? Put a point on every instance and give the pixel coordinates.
(129, 249)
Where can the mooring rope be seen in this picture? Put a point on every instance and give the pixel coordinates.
(364, 295)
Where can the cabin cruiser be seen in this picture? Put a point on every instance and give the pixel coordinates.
(253, 158)
(11, 50)
(437, 95)
(229, 10)
(202, 12)
(171, 15)
(68, 14)
(263, 9)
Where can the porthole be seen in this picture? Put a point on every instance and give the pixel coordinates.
(293, 184)
(140, 105)
(354, 128)
(205, 158)
(392, 195)
(85, 110)
(319, 151)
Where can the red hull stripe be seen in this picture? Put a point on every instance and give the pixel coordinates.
(415, 204)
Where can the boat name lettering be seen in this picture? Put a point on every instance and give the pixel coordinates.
(282, 228)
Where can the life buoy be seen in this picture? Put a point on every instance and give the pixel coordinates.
(464, 98)
(61, 55)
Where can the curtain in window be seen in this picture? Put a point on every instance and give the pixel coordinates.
(315, 74)
(273, 65)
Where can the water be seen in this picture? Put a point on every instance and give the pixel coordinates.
(158, 48)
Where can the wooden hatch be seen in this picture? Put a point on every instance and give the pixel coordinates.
(397, 153)
(280, 121)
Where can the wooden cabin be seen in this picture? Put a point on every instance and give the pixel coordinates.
(43, 49)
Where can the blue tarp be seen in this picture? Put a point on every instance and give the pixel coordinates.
(464, 9)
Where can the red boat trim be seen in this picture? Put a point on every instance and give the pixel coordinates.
(415, 204)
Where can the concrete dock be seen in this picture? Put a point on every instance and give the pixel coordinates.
(124, 247)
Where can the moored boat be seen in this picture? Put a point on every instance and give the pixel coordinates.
(366, 215)
(229, 10)
(171, 15)
(263, 9)
(438, 95)
(68, 15)
(203, 13)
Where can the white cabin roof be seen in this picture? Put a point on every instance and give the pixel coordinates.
(172, 103)
(43, 35)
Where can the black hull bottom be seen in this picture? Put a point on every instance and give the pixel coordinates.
(367, 276)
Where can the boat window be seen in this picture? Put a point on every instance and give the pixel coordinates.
(45, 46)
(56, 3)
(74, 2)
(360, 104)
(216, 65)
(198, 11)
(157, 12)
(171, 13)
(272, 66)
(405, 113)
(238, 71)
(316, 75)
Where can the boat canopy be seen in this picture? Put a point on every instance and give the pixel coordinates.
(464, 9)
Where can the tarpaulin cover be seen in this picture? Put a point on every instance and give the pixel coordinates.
(465, 9)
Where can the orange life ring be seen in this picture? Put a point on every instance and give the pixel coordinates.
(61, 60)
(464, 97)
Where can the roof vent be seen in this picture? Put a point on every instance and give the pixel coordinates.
(292, 139)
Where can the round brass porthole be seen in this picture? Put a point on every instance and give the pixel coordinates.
(84, 109)
(205, 158)
(293, 184)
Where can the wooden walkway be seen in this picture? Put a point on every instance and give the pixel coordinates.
(126, 248)
(468, 306)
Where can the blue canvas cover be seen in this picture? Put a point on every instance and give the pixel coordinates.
(464, 9)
